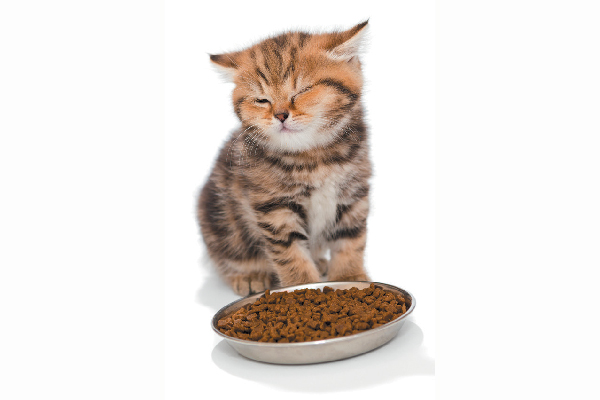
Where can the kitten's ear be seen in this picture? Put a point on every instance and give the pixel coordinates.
(227, 64)
(343, 46)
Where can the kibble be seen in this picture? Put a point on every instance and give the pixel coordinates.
(311, 314)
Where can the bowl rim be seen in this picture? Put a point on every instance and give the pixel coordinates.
(314, 342)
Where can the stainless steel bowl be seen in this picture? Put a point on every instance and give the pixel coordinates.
(320, 350)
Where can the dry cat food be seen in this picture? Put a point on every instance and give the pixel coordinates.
(311, 314)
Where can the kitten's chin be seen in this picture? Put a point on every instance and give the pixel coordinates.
(296, 140)
(288, 130)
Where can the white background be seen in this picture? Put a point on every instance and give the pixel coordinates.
(484, 121)
(400, 248)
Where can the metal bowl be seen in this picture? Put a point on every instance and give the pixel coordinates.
(319, 350)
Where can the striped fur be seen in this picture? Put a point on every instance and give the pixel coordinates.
(293, 181)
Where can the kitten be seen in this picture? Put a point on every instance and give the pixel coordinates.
(293, 181)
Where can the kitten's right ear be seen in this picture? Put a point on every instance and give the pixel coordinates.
(227, 64)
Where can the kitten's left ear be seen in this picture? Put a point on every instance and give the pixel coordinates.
(343, 46)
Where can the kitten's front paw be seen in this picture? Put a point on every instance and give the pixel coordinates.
(301, 273)
(322, 265)
(359, 277)
(255, 282)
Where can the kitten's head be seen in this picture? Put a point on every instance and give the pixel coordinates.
(296, 90)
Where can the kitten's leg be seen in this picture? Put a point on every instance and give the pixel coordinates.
(348, 241)
(293, 263)
(286, 242)
(347, 260)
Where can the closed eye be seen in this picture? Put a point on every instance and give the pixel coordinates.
(262, 101)
(306, 89)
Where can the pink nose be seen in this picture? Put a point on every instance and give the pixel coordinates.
(282, 116)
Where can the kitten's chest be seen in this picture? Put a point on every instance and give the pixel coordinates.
(321, 206)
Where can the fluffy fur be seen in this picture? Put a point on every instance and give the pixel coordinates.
(292, 183)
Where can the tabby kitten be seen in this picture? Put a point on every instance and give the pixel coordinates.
(292, 182)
